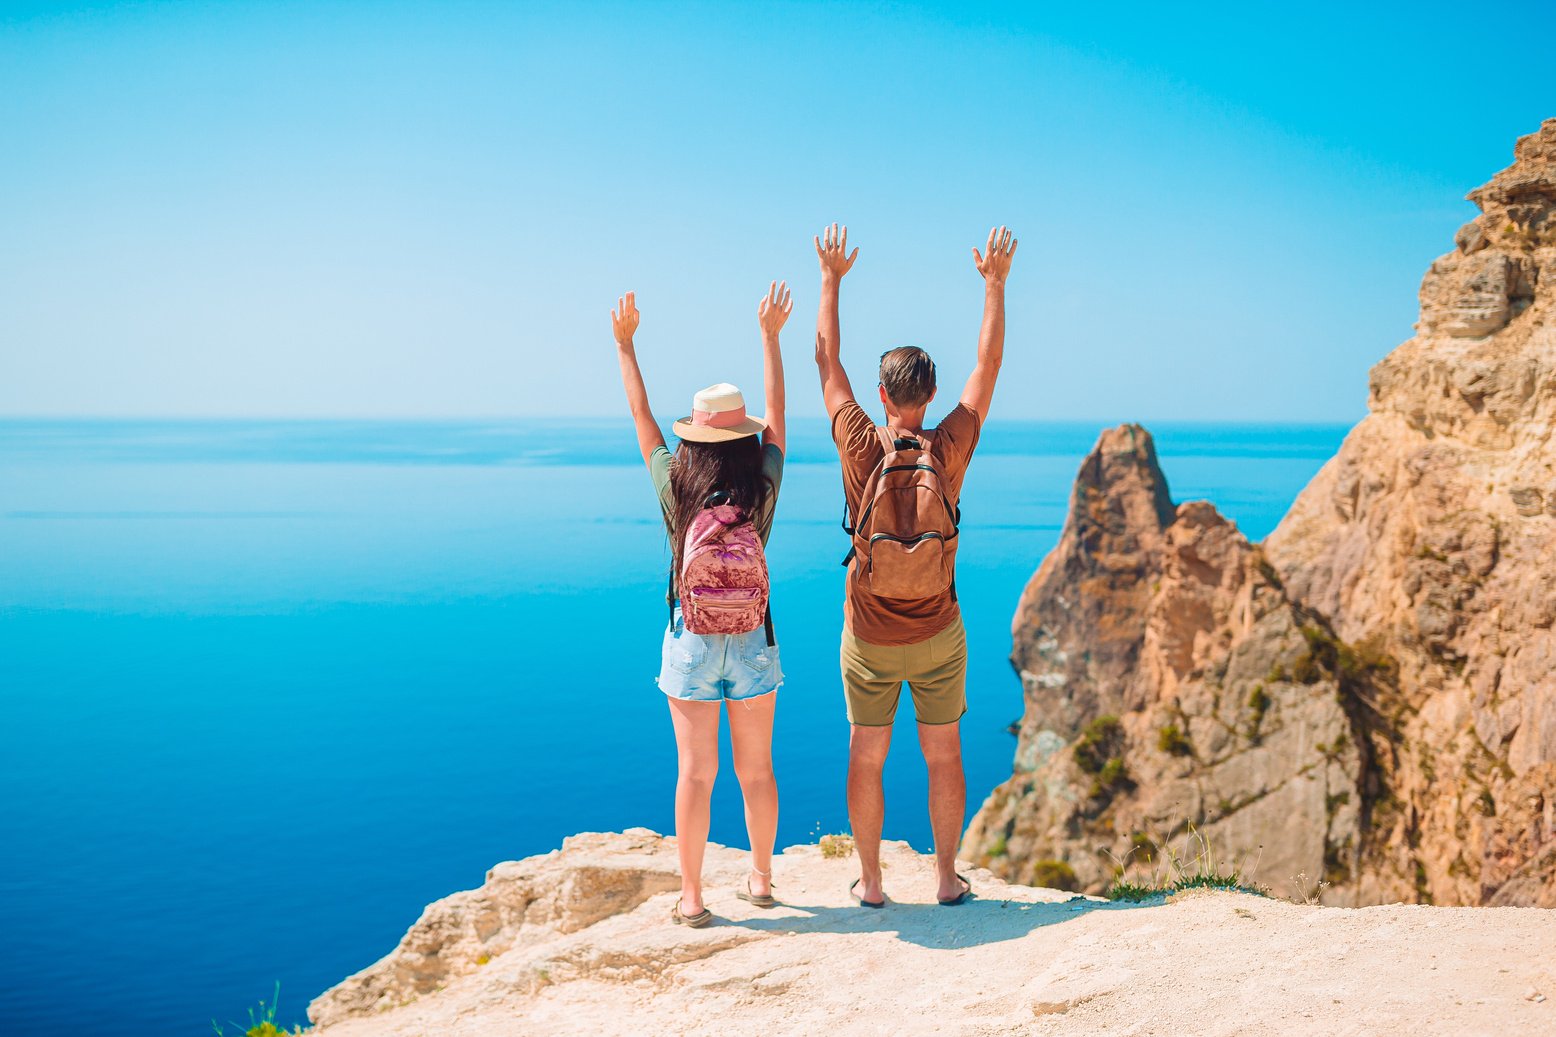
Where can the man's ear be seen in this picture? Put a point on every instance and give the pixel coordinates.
(931, 396)
(884, 400)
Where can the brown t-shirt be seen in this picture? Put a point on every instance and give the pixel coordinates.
(892, 621)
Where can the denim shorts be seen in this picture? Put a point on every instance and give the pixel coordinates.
(713, 667)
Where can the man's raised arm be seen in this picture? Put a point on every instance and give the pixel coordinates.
(991, 339)
(835, 262)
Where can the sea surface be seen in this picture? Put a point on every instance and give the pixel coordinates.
(268, 688)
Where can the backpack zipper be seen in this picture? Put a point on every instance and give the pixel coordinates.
(915, 540)
(954, 514)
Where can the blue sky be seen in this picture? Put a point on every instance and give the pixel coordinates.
(427, 210)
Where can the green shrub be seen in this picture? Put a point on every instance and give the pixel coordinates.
(1171, 741)
(1102, 739)
(1258, 701)
(1258, 704)
(1052, 874)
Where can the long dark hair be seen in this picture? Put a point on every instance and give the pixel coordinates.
(699, 470)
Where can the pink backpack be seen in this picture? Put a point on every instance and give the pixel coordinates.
(723, 578)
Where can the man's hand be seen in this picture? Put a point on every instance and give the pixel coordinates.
(833, 251)
(835, 262)
(996, 265)
(991, 338)
(774, 309)
(624, 319)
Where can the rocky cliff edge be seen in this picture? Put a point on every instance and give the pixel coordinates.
(579, 941)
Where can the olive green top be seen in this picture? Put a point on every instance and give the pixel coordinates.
(772, 468)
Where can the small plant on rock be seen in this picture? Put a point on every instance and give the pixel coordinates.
(1194, 865)
(262, 1022)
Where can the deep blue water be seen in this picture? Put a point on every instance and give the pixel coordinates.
(268, 688)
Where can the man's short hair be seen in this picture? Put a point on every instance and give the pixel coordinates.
(908, 376)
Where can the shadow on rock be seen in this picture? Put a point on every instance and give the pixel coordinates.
(974, 923)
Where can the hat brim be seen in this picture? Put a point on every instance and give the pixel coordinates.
(684, 429)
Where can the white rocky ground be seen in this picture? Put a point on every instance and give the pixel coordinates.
(579, 941)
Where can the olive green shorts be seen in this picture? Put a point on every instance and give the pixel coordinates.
(936, 671)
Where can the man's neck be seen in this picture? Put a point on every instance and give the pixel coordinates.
(908, 421)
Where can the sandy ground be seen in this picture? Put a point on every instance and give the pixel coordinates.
(1015, 961)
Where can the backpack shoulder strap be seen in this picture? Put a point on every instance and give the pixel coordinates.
(850, 525)
(889, 439)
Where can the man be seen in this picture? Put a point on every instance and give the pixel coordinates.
(906, 635)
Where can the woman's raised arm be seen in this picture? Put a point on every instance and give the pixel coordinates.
(774, 309)
(624, 324)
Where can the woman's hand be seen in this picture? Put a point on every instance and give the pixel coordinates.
(624, 324)
(771, 312)
(833, 253)
(774, 309)
(624, 320)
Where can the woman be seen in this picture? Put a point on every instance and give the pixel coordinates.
(725, 473)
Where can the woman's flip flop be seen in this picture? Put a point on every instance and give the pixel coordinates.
(862, 901)
(696, 921)
(962, 897)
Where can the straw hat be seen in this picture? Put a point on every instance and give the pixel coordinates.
(718, 415)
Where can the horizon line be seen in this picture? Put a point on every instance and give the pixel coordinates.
(451, 419)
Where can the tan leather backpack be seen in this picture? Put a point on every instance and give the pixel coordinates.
(904, 538)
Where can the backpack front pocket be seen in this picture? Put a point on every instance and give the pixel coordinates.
(908, 569)
(725, 610)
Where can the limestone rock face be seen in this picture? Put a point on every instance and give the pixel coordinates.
(1369, 696)
(522, 903)
(1170, 681)
(567, 944)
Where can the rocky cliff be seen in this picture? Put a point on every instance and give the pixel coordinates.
(578, 941)
(1363, 705)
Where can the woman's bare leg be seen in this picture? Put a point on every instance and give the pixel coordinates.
(697, 749)
(751, 738)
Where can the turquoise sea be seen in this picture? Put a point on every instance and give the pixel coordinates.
(268, 688)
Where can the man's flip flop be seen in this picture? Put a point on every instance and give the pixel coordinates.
(755, 900)
(696, 921)
(862, 901)
(962, 897)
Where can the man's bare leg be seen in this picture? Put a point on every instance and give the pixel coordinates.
(942, 745)
(867, 748)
